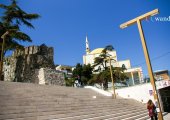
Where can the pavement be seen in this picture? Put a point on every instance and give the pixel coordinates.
(167, 116)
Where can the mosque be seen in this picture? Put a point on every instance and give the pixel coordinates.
(135, 74)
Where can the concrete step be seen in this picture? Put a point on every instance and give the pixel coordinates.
(23, 101)
(73, 115)
(41, 108)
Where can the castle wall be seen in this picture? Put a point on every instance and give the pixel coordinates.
(26, 66)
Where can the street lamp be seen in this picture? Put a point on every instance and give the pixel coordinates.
(111, 74)
(2, 52)
(147, 58)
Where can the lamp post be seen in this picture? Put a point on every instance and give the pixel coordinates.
(111, 74)
(147, 58)
(2, 52)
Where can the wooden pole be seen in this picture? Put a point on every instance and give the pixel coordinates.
(145, 50)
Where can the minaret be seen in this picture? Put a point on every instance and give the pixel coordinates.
(87, 46)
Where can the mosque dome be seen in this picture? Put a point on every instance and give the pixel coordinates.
(97, 51)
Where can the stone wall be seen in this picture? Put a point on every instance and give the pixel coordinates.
(24, 65)
(51, 77)
(9, 67)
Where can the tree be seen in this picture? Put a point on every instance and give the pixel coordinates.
(69, 82)
(118, 74)
(86, 73)
(13, 18)
(104, 76)
(101, 60)
(83, 73)
(78, 70)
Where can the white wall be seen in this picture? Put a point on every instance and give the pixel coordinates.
(141, 92)
(125, 62)
(99, 90)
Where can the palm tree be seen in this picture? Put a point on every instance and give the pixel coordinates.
(13, 37)
(11, 21)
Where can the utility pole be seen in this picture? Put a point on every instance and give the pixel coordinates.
(145, 50)
(2, 52)
(111, 74)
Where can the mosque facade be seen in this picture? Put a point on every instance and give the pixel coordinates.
(134, 73)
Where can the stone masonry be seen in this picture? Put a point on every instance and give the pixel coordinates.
(50, 77)
(26, 65)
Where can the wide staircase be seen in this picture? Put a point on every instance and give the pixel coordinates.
(26, 101)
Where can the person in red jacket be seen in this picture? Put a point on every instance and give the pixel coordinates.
(152, 110)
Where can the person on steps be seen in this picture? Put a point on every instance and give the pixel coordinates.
(152, 110)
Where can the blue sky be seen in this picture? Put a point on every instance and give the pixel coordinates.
(65, 23)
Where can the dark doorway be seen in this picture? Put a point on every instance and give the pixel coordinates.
(165, 97)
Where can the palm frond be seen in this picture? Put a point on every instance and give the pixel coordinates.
(14, 2)
(3, 6)
(31, 16)
(109, 47)
(20, 36)
(27, 23)
(13, 45)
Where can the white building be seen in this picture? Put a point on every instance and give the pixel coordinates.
(66, 69)
(135, 74)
